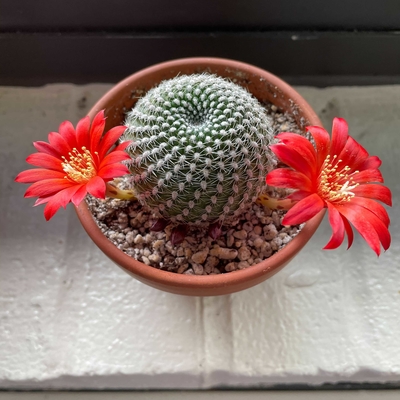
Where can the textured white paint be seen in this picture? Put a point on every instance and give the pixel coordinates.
(206, 395)
(70, 319)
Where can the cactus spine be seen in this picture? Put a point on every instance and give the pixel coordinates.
(199, 149)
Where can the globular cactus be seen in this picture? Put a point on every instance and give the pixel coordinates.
(199, 149)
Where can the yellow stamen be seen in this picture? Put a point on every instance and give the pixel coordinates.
(80, 167)
(336, 185)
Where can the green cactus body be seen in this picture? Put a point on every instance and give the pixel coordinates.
(199, 149)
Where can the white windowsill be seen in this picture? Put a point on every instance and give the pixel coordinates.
(70, 319)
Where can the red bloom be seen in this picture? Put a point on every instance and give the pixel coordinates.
(337, 174)
(74, 163)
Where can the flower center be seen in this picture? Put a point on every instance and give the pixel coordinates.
(80, 167)
(335, 182)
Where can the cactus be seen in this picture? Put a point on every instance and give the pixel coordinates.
(199, 149)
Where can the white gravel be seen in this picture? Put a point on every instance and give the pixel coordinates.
(247, 241)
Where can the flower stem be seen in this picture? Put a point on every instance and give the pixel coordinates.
(275, 204)
(121, 194)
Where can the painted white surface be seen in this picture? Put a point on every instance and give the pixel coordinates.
(70, 319)
(208, 395)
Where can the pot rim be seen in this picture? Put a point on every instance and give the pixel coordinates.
(269, 77)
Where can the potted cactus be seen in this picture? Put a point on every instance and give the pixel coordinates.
(196, 148)
(199, 151)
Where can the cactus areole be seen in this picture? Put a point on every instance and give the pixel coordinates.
(199, 149)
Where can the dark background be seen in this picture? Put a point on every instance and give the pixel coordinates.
(315, 42)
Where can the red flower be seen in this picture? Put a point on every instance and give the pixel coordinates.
(74, 163)
(337, 174)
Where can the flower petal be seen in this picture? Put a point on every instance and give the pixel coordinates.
(42, 200)
(59, 143)
(45, 161)
(339, 136)
(61, 199)
(109, 139)
(349, 231)
(44, 147)
(353, 155)
(302, 145)
(47, 187)
(322, 143)
(292, 158)
(374, 191)
(372, 206)
(113, 171)
(67, 131)
(372, 162)
(51, 208)
(82, 133)
(383, 234)
(114, 157)
(367, 176)
(304, 210)
(97, 187)
(370, 227)
(67, 194)
(96, 130)
(78, 197)
(286, 178)
(336, 221)
(34, 175)
(122, 146)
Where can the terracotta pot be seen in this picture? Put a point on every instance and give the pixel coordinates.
(265, 87)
